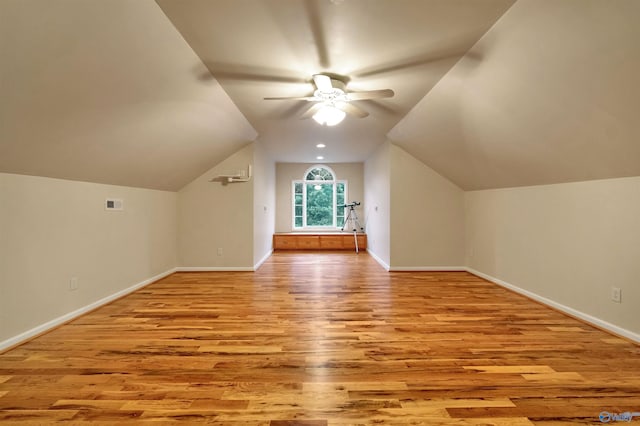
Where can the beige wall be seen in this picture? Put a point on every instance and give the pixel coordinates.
(287, 172)
(427, 215)
(217, 215)
(569, 243)
(264, 203)
(52, 230)
(377, 196)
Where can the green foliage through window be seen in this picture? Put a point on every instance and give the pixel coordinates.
(320, 204)
(316, 200)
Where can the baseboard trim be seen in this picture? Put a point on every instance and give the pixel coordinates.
(428, 269)
(597, 322)
(215, 269)
(379, 260)
(264, 259)
(47, 326)
(29, 334)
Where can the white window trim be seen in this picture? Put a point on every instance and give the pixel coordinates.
(304, 183)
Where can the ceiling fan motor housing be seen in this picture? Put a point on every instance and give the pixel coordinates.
(335, 94)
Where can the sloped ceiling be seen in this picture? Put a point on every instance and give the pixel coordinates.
(152, 94)
(271, 48)
(555, 98)
(103, 91)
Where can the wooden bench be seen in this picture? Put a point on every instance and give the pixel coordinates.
(308, 241)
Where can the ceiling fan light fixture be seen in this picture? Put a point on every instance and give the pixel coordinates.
(329, 115)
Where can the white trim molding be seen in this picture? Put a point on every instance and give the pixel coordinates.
(214, 269)
(225, 268)
(566, 309)
(49, 325)
(428, 269)
(23, 337)
(379, 260)
(42, 328)
(264, 259)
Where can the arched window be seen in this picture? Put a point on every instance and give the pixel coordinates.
(316, 198)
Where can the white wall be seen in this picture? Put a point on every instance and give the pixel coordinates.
(377, 197)
(288, 172)
(264, 203)
(52, 230)
(427, 216)
(569, 243)
(217, 215)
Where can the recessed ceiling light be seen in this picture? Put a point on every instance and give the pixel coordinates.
(319, 157)
(320, 145)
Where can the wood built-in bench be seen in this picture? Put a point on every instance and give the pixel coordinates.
(327, 241)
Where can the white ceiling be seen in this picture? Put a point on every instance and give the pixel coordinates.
(271, 48)
(152, 94)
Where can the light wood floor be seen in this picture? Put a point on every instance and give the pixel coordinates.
(321, 339)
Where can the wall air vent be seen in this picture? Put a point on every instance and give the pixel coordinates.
(113, 204)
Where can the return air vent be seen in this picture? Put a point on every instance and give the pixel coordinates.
(113, 204)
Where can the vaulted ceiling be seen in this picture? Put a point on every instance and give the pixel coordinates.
(258, 49)
(104, 91)
(555, 98)
(488, 93)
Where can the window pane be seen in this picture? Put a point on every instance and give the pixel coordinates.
(340, 193)
(320, 204)
(319, 173)
(315, 198)
(340, 201)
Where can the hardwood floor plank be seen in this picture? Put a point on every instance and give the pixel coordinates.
(320, 339)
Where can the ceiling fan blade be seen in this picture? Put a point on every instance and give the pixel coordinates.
(241, 72)
(373, 104)
(311, 111)
(319, 37)
(454, 53)
(292, 98)
(323, 82)
(352, 109)
(370, 94)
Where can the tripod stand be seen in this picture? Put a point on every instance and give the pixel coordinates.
(352, 219)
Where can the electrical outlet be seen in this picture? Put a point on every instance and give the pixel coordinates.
(219, 251)
(616, 294)
(73, 283)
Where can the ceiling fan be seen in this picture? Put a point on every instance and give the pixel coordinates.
(333, 101)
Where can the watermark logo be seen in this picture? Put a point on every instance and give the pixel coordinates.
(606, 417)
